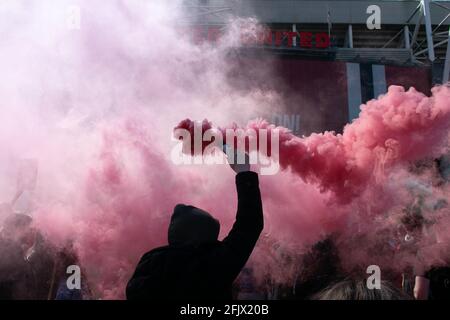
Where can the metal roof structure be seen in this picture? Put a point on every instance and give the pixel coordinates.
(313, 11)
(410, 32)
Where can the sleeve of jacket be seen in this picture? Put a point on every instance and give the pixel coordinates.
(239, 243)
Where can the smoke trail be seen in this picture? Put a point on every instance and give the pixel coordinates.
(398, 128)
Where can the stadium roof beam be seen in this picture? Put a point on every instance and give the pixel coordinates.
(441, 23)
(434, 33)
(350, 36)
(418, 53)
(440, 5)
(417, 28)
(419, 7)
(406, 37)
(431, 34)
(393, 38)
(428, 28)
(445, 76)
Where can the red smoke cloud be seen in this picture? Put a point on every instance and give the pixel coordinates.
(398, 128)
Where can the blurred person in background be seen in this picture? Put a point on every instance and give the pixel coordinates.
(357, 290)
(31, 268)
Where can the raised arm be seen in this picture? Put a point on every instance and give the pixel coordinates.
(241, 240)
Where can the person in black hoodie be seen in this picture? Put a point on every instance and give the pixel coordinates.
(195, 265)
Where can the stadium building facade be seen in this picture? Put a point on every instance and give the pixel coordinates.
(329, 57)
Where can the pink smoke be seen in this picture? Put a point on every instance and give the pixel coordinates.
(398, 128)
(361, 176)
(95, 107)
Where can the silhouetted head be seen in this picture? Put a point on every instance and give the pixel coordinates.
(358, 290)
(191, 226)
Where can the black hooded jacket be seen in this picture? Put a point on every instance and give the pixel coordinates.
(195, 265)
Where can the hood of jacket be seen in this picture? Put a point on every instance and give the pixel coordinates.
(191, 226)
